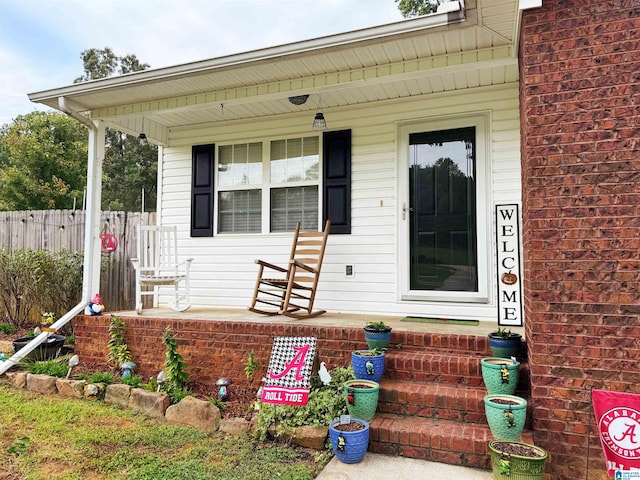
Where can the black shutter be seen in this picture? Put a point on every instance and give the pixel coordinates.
(336, 181)
(202, 194)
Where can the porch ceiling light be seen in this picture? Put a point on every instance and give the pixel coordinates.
(299, 99)
(142, 138)
(319, 122)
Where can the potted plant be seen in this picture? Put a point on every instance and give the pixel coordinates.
(377, 334)
(368, 364)
(504, 343)
(517, 460)
(500, 375)
(349, 438)
(506, 415)
(362, 398)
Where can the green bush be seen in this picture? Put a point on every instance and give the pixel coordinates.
(101, 377)
(326, 402)
(6, 328)
(45, 280)
(53, 368)
(132, 380)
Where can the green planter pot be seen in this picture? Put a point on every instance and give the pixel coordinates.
(362, 398)
(515, 466)
(506, 420)
(500, 375)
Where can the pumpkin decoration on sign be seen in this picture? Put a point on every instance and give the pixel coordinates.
(509, 278)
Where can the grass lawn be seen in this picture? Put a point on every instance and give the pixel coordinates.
(52, 438)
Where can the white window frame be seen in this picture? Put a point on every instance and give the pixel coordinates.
(266, 184)
(481, 122)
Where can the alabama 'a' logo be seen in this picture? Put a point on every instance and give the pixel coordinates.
(620, 431)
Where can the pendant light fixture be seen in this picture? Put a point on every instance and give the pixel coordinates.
(142, 138)
(319, 122)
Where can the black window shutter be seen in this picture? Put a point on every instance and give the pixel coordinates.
(202, 194)
(336, 181)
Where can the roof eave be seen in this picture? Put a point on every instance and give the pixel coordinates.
(451, 16)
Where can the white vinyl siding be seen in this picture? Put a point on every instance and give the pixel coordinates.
(223, 272)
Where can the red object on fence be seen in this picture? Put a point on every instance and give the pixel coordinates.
(109, 242)
(618, 419)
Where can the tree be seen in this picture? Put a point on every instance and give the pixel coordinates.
(42, 162)
(104, 63)
(128, 166)
(416, 8)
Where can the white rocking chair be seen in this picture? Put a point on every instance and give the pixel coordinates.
(157, 265)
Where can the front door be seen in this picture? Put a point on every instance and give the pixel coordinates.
(442, 211)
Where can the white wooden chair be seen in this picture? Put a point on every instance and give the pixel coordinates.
(157, 264)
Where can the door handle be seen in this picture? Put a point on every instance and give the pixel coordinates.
(405, 210)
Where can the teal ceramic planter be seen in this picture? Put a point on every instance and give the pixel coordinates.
(506, 415)
(362, 398)
(505, 347)
(379, 339)
(500, 375)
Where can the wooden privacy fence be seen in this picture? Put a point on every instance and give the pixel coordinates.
(56, 230)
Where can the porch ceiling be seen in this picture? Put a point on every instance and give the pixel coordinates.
(472, 46)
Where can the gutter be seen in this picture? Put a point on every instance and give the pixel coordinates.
(92, 179)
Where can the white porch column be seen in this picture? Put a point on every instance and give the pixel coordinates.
(92, 244)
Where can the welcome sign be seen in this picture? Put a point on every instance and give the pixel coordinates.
(289, 372)
(510, 311)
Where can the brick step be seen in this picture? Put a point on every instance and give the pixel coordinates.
(432, 400)
(432, 439)
(441, 366)
(453, 343)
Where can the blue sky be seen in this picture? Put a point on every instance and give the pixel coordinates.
(41, 40)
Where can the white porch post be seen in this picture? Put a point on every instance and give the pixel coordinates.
(91, 273)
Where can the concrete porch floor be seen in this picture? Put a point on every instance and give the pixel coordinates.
(329, 319)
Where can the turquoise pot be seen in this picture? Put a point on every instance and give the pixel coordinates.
(505, 347)
(506, 415)
(500, 375)
(362, 398)
(377, 338)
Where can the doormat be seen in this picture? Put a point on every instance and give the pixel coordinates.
(442, 321)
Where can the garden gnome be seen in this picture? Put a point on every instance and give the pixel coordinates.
(95, 306)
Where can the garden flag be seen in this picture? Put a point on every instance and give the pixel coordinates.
(618, 417)
(290, 368)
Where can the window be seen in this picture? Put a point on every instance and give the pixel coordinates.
(270, 189)
(239, 180)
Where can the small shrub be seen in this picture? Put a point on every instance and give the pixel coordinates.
(101, 377)
(6, 328)
(118, 350)
(53, 368)
(174, 366)
(250, 366)
(132, 380)
(326, 402)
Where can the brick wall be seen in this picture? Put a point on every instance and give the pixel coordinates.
(580, 117)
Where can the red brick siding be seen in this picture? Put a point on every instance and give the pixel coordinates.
(580, 121)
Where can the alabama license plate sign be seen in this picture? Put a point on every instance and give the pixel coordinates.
(289, 372)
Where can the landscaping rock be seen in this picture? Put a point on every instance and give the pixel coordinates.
(17, 379)
(154, 404)
(305, 436)
(193, 412)
(118, 394)
(94, 391)
(6, 347)
(41, 384)
(70, 388)
(235, 426)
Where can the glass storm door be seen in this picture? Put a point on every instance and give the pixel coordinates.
(442, 211)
